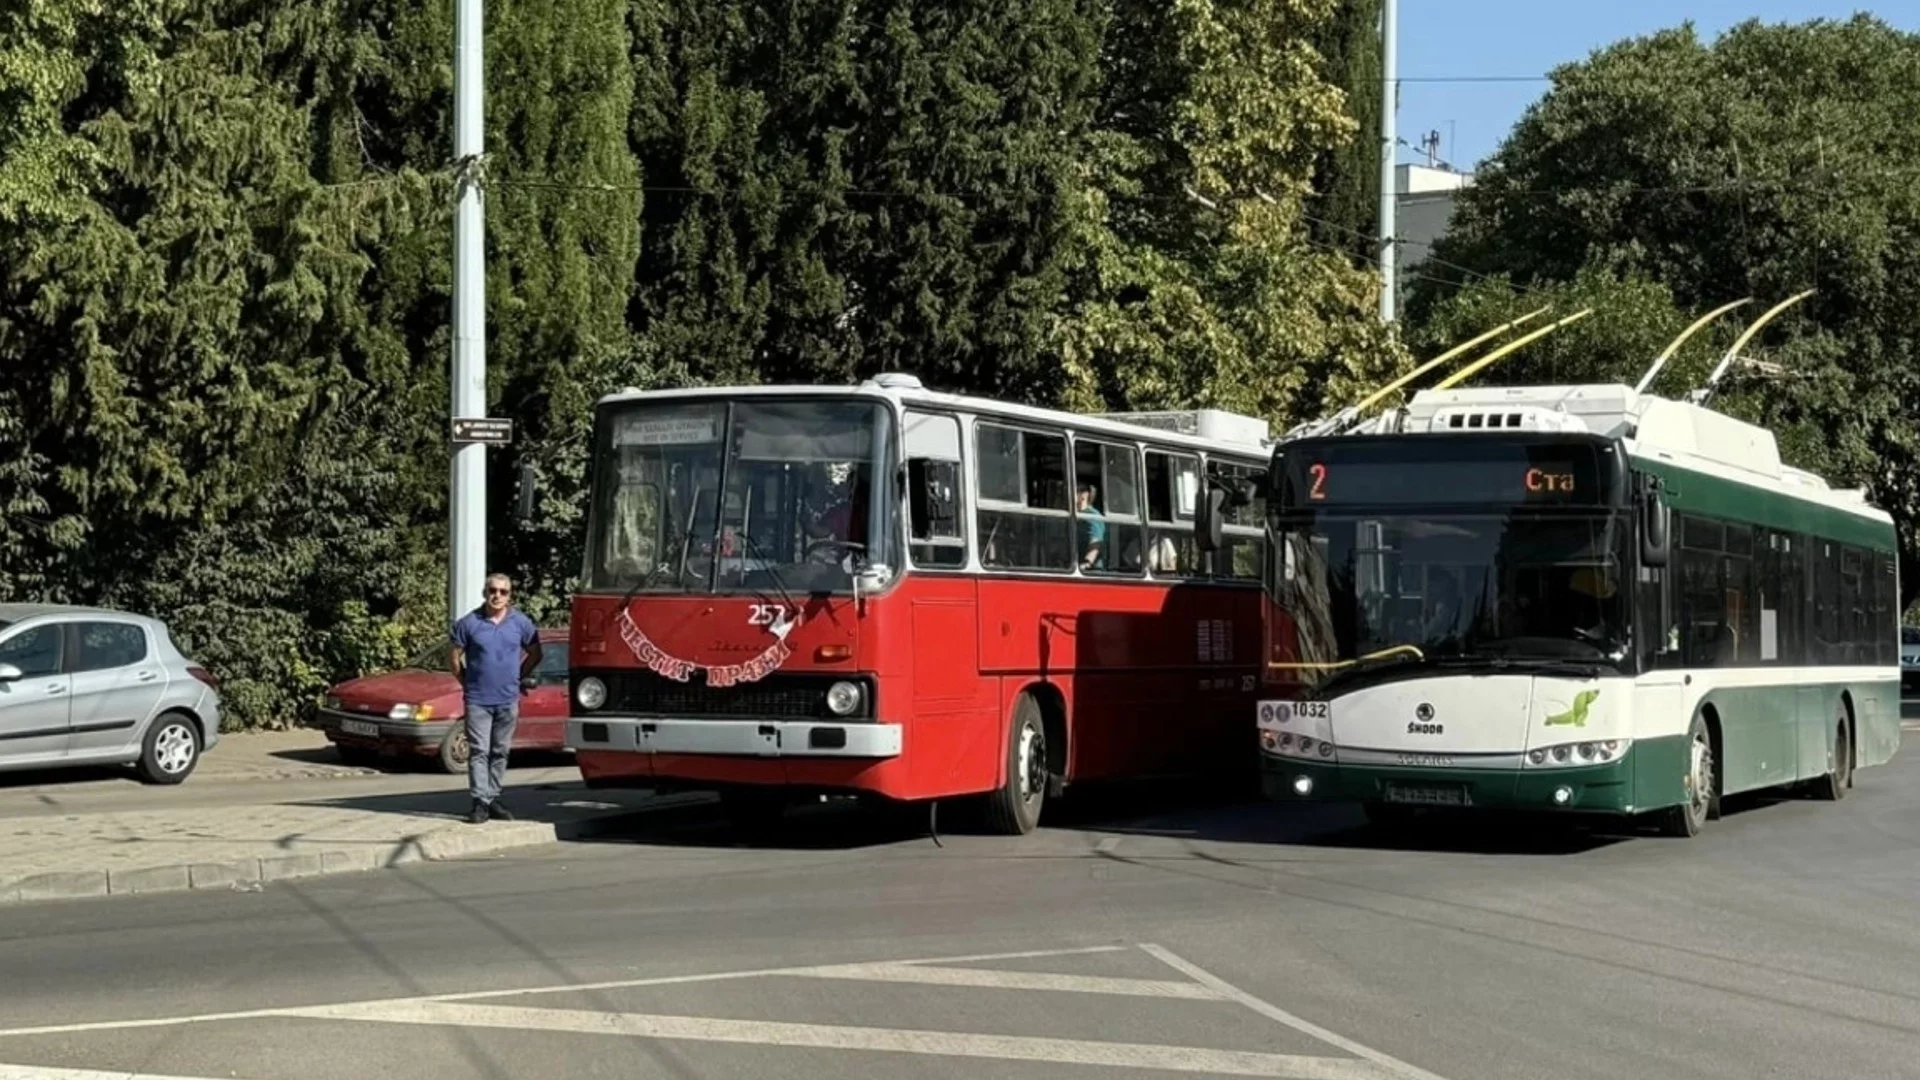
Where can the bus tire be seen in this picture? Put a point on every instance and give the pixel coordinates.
(1014, 810)
(1833, 786)
(1687, 819)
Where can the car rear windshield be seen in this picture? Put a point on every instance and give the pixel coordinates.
(1909, 635)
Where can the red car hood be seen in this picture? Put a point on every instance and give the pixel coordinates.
(378, 693)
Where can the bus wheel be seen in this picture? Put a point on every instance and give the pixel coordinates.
(1833, 786)
(1014, 810)
(1690, 816)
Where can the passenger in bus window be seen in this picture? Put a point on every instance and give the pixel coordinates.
(1093, 532)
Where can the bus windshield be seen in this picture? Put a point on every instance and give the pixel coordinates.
(798, 514)
(1498, 587)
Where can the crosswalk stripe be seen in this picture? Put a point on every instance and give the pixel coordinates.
(50, 1073)
(1011, 980)
(1180, 1059)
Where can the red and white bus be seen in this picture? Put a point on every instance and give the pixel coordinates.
(909, 594)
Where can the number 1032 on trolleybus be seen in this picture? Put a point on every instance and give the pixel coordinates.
(1575, 599)
(890, 591)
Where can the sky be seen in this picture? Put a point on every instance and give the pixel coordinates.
(1469, 68)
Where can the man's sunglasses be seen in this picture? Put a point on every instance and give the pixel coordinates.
(499, 592)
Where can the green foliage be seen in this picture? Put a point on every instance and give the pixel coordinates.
(1229, 305)
(225, 264)
(1774, 159)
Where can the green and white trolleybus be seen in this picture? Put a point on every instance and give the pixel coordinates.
(1580, 599)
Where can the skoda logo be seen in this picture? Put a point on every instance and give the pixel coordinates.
(1423, 712)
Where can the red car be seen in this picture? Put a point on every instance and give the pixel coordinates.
(416, 711)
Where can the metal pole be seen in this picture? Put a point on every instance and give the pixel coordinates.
(1389, 141)
(467, 520)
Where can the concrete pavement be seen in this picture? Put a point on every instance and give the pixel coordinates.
(264, 808)
(1127, 939)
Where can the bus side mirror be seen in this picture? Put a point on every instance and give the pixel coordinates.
(1207, 519)
(1656, 522)
(529, 493)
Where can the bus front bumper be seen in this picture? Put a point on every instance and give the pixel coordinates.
(748, 738)
(1601, 789)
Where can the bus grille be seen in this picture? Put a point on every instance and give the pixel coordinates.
(799, 697)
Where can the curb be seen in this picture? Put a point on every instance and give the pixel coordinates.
(439, 843)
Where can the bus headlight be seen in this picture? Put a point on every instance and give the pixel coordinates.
(843, 698)
(1564, 755)
(590, 692)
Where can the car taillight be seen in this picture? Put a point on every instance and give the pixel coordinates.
(204, 676)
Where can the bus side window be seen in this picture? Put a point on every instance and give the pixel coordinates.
(933, 488)
(935, 523)
(1173, 487)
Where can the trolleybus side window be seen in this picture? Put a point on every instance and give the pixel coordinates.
(937, 533)
(1109, 537)
(1026, 517)
(1173, 490)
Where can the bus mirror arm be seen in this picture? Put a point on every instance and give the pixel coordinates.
(1207, 516)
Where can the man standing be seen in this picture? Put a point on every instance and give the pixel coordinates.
(495, 649)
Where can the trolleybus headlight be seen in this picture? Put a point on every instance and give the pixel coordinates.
(1326, 749)
(843, 698)
(1306, 745)
(591, 693)
(1269, 741)
(1538, 757)
(1562, 752)
(1585, 750)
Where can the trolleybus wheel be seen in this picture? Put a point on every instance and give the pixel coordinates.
(1690, 816)
(1014, 809)
(1833, 786)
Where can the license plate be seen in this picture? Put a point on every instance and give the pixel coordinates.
(359, 727)
(1428, 794)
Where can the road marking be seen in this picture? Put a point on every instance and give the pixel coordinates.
(1394, 1066)
(562, 988)
(1183, 1059)
(1106, 846)
(48, 1073)
(1012, 980)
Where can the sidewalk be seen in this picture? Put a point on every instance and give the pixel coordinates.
(262, 836)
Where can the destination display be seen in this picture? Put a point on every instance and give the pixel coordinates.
(1413, 471)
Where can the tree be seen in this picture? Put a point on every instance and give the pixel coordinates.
(1345, 206)
(1774, 159)
(1221, 299)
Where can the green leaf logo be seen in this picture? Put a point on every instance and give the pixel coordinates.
(1576, 716)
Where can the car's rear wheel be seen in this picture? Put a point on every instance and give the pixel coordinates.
(170, 751)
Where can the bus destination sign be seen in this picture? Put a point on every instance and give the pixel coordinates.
(1411, 473)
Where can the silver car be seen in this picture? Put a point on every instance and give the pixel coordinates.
(86, 686)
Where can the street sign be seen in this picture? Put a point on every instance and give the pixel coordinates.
(482, 429)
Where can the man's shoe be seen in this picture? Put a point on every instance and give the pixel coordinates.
(499, 812)
(478, 815)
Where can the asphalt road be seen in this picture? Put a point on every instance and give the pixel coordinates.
(1159, 940)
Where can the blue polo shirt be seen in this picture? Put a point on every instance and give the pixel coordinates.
(493, 656)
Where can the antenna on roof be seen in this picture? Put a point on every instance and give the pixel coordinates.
(1459, 376)
(1345, 418)
(1673, 347)
(1705, 393)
